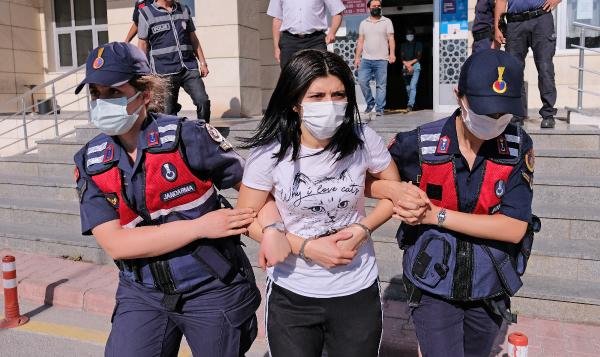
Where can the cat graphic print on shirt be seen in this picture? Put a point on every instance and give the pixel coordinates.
(315, 195)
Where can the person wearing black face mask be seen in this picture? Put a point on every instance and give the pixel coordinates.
(375, 48)
(410, 53)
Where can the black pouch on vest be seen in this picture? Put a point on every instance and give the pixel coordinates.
(431, 263)
(213, 261)
(526, 244)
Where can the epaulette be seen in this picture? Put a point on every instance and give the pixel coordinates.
(100, 154)
(508, 146)
(165, 135)
(433, 147)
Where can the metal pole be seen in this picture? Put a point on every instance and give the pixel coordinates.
(54, 105)
(580, 81)
(24, 123)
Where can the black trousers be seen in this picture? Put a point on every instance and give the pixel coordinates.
(192, 83)
(346, 326)
(289, 44)
(538, 34)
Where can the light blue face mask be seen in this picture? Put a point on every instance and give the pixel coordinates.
(111, 117)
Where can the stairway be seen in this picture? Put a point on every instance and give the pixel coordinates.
(39, 213)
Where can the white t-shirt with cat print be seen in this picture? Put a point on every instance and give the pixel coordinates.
(315, 194)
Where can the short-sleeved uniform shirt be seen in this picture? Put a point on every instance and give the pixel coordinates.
(304, 16)
(204, 155)
(516, 6)
(376, 32)
(515, 203)
(139, 4)
(409, 50)
(315, 194)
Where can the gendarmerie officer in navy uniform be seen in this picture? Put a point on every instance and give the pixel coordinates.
(148, 193)
(464, 254)
(483, 26)
(167, 34)
(529, 23)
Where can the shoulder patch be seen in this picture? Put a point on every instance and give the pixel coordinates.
(528, 178)
(113, 199)
(530, 160)
(218, 138)
(76, 174)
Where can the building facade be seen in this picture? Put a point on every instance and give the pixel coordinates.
(43, 39)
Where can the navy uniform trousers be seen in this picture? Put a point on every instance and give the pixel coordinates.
(539, 34)
(217, 319)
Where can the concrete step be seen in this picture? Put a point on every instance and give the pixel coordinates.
(40, 212)
(60, 149)
(33, 187)
(34, 165)
(558, 299)
(52, 240)
(566, 189)
(566, 259)
(572, 162)
(568, 221)
(574, 137)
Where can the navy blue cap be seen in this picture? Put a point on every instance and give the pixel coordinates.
(113, 64)
(492, 81)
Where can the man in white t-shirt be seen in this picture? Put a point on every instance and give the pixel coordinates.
(375, 48)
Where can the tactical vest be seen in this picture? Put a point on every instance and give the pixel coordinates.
(171, 192)
(170, 44)
(452, 265)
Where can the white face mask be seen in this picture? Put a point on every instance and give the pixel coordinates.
(410, 37)
(322, 119)
(483, 126)
(111, 117)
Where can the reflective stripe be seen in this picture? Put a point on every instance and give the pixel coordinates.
(167, 139)
(170, 49)
(428, 150)
(184, 207)
(430, 137)
(162, 129)
(152, 20)
(94, 160)
(9, 266)
(512, 138)
(513, 152)
(133, 223)
(97, 148)
(9, 284)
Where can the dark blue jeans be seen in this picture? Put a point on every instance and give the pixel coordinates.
(454, 329)
(538, 34)
(216, 319)
(377, 69)
(193, 85)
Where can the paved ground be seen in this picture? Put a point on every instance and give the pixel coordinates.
(82, 297)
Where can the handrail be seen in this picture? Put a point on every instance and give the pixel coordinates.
(46, 84)
(580, 68)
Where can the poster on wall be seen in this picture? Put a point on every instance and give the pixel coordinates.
(354, 7)
(454, 23)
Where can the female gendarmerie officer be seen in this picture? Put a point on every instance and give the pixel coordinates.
(462, 256)
(147, 192)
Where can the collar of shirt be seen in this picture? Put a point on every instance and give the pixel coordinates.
(375, 20)
(176, 7)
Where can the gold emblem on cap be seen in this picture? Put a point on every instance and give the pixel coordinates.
(500, 86)
(99, 61)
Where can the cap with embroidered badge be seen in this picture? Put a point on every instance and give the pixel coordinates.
(114, 64)
(492, 80)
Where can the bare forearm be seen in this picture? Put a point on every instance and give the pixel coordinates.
(198, 49)
(392, 45)
(148, 241)
(336, 21)
(359, 49)
(499, 10)
(379, 215)
(276, 29)
(493, 227)
(143, 45)
(132, 32)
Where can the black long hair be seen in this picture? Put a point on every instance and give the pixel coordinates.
(282, 123)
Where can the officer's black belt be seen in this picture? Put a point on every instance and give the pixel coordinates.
(306, 35)
(524, 16)
(483, 34)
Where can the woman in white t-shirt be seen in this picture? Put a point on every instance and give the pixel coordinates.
(311, 153)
